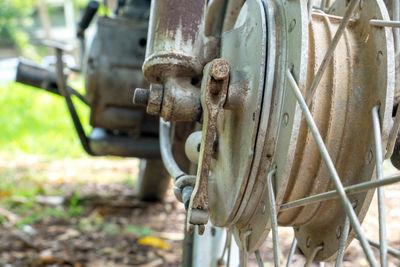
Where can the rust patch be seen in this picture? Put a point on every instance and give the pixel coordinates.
(184, 15)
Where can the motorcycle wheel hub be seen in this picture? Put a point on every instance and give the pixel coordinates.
(268, 131)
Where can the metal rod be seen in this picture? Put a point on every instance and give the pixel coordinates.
(228, 260)
(62, 87)
(312, 256)
(259, 259)
(75, 93)
(331, 168)
(353, 189)
(391, 251)
(243, 252)
(226, 246)
(393, 135)
(385, 23)
(274, 220)
(331, 50)
(166, 151)
(342, 242)
(291, 251)
(381, 192)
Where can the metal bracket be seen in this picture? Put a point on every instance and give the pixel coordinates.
(213, 96)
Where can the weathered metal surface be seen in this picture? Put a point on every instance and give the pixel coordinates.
(34, 75)
(280, 138)
(181, 100)
(213, 95)
(176, 53)
(261, 127)
(103, 143)
(360, 76)
(113, 69)
(231, 14)
(175, 40)
(287, 40)
(238, 123)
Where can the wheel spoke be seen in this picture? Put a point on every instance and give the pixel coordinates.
(227, 247)
(393, 135)
(385, 23)
(343, 241)
(331, 50)
(391, 251)
(353, 189)
(243, 250)
(259, 259)
(291, 251)
(228, 260)
(274, 220)
(331, 168)
(381, 193)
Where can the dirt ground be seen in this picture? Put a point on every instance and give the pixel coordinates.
(100, 222)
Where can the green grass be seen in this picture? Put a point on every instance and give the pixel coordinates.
(35, 122)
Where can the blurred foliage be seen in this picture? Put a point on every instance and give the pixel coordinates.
(38, 123)
(15, 18)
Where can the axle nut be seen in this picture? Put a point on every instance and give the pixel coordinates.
(155, 99)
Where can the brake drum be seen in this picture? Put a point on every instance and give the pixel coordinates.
(262, 128)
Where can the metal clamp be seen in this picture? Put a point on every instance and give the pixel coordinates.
(213, 96)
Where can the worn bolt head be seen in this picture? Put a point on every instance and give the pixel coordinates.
(338, 231)
(141, 96)
(219, 69)
(285, 119)
(263, 207)
(308, 242)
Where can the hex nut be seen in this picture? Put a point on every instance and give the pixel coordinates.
(155, 99)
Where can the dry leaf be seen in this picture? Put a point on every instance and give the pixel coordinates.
(154, 242)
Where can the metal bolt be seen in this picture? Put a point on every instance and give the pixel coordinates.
(219, 69)
(285, 119)
(338, 231)
(292, 25)
(308, 242)
(370, 156)
(141, 96)
(379, 57)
